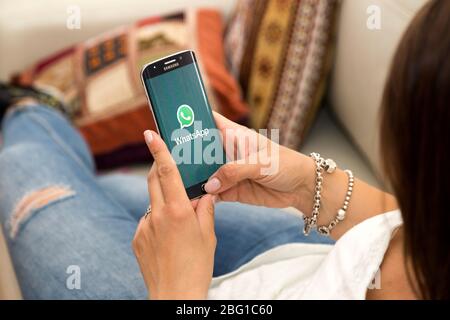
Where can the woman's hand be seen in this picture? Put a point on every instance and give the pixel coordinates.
(264, 173)
(175, 244)
(290, 182)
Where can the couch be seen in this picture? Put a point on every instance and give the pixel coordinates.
(346, 128)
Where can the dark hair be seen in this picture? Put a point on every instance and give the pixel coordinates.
(415, 144)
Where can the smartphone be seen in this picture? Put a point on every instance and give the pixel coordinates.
(184, 119)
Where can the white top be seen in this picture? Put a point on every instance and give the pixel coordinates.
(314, 271)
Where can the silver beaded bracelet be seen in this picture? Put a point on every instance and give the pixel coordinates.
(311, 222)
(326, 230)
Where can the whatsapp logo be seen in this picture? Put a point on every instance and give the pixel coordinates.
(185, 116)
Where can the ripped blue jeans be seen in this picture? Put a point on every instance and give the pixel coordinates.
(69, 231)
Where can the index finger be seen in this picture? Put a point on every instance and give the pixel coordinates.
(167, 171)
(224, 123)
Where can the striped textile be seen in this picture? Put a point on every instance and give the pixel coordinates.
(281, 50)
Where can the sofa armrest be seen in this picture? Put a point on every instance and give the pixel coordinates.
(362, 62)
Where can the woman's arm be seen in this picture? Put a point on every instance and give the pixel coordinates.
(292, 183)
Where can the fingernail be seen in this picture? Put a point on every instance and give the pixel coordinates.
(148, 136)
(212, 185)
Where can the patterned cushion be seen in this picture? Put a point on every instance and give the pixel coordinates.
(100, 79)
(280, 50)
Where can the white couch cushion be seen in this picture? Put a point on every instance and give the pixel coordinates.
(362, 62)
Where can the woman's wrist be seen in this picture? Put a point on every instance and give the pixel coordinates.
(334, 190)
(365, 201)
(327, 188)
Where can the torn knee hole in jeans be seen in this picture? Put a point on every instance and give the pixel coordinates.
(34, 201)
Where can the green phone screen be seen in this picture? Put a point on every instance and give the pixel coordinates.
(186, 123)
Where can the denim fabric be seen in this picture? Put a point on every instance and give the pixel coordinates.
(91, 228)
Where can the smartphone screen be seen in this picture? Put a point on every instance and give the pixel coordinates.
(184, 118)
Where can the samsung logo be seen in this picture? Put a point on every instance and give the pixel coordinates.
(171, 66)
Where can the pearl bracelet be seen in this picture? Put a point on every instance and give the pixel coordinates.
(326, 230)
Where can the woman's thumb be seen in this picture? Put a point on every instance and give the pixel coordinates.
(205, 213)
(231, 174)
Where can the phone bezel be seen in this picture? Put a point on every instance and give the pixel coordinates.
(156, 68)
